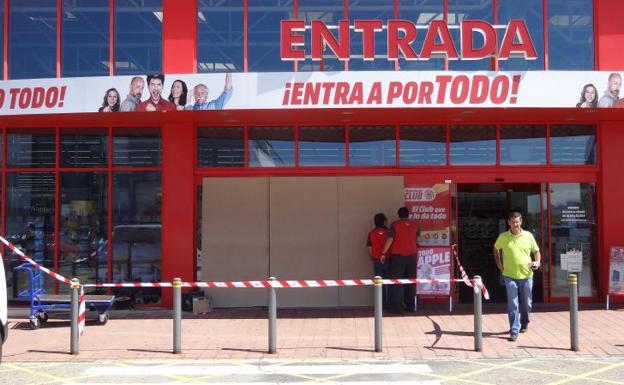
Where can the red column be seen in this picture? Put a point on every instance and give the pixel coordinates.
(178, 216)
(179, 36)
(609, 36)
(611, 193)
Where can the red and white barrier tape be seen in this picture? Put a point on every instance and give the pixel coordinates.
(259, 284)
(465, 279)
(82, 312)
(32, 262)
(285, 283)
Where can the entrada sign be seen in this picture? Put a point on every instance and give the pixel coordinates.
(400, 37)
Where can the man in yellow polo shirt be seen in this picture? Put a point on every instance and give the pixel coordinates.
(517, 268)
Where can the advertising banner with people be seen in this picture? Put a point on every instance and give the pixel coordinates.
(290, 90)
(434, 263)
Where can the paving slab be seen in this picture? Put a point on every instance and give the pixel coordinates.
(317, 334)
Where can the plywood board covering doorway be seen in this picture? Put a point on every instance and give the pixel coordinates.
(292, 228)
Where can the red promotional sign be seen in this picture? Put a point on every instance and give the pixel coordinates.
(429, 207)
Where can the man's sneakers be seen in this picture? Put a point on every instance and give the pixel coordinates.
(513, 337)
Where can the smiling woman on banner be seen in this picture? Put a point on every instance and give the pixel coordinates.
(589, 97)
(178, 94)
(111, 101)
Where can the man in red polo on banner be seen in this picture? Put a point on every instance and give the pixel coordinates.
(402, 247)
(156, 102)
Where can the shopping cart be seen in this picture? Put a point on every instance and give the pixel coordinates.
(41, 303)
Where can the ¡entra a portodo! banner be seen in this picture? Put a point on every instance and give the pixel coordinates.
(434, 263)
(289, 90)
(616, 271)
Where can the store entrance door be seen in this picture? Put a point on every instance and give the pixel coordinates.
(481, 213)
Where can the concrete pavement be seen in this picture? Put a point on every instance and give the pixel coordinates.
(318, 334)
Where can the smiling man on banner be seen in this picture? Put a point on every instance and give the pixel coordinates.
(156, 102)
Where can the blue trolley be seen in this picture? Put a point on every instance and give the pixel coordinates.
(42, 303)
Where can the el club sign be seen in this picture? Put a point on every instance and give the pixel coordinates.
(401, 35)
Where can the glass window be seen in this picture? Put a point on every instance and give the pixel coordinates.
(459, 10)
(573, 228)
(30, 149)
(32, 39)
(321, 146)
(370, 10)
(523, 144)
(83, 226)
(271, 147)
(372, 146)
(30, 212)
(85, 40)
(84, 148)
(329, 12)
(573, 144)
(473, 145)
(422, 13)
(138, 36)
(531, 12)
(570, 35)
(264, 34)
(220, 36)
(137, 233)
(221, 147)
(136, 147)
(422, 145)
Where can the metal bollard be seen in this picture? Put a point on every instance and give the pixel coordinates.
(177, 316)
(272, 318)
(478, 309)
(74, 345)
(378, 312)
(574, 333)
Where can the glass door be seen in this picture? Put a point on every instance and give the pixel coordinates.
(481, 211)
(573, 236)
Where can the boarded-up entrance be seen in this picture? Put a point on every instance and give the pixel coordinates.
(292, 228)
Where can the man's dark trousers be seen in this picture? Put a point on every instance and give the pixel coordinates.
(402, 266)
(382, 270)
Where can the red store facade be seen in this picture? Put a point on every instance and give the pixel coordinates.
(194, 194)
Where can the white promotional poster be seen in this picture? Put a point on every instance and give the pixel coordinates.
(296, 90)
(434, 263)
(616, 271)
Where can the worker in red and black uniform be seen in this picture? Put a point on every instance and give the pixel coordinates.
(375, 242)
(402, 248)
